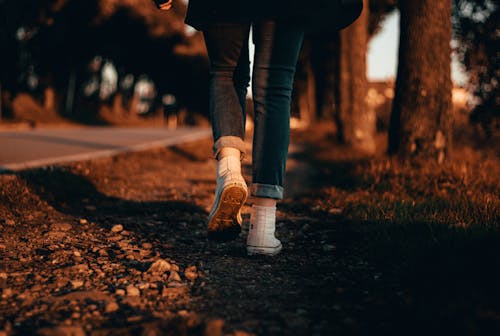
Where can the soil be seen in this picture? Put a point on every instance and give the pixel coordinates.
(118, 247)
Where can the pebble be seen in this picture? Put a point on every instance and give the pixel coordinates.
(103, 252)
(174, 277)
(112, 307)
(175, 268)
(147, 246)
(191, 273)
(120, 292)
(132, 319)
(328, 248)
(160, 266)
(62, 226)
(3, 275)
(117, 228)
(6, 293)
(133, 291)
(83, 221)
(10, 222)
(77, 254)
(143, 285)
(76, 284)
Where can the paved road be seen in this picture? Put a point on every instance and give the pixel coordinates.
(41, 147)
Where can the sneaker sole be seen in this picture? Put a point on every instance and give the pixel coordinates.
(267, 251)
(225, 224)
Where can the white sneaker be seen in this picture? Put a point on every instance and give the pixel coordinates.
(224, 221)
(261, 239)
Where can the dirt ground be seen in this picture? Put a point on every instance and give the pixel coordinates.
(118, 247)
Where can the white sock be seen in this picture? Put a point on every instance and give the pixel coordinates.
(263, 227)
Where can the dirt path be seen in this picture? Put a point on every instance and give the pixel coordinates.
(117, 246)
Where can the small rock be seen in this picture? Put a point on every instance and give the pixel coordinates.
(3, 276)
(112, 307)
(76, 284)
(83, 221)
(6, 293)
(160, 266)
(174, 277)
(191, 273)
(120, 292)
(328, 248)
(77, 254)
(10, 222)
(103, 252)
(144, 253)
(75, 315)
(117, 228)
(133, 291)
(3, 246)
(175, 268)
(62, 226)
(147, 246)
(132, 319)
(336, 211)
(143, 286)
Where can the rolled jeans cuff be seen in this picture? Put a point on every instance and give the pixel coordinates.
(266, 190)
(229, 141)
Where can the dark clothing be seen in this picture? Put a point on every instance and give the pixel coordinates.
(277, 46)
(201, 12)
(313, 15)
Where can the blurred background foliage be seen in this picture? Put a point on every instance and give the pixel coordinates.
(477, 34)
(56, 52)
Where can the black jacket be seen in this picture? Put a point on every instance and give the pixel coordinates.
(315, 15)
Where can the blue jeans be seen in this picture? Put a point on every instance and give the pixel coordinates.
(277, 46)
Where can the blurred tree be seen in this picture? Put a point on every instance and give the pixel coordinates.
(378, 11)
(476, 26)
(358, 121)
(319, 90)
(421, 118)
(134, 34)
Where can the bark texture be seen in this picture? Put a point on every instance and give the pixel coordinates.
(358, 121)
(421, 118)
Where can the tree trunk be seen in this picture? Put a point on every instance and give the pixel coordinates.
(49, 101)
(359, 122)
(420, 121)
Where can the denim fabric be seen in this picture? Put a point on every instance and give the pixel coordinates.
(277, 46)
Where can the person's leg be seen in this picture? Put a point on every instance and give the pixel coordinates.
(277, 47)
(227, 46)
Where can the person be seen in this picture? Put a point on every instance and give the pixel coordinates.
(277, 33)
